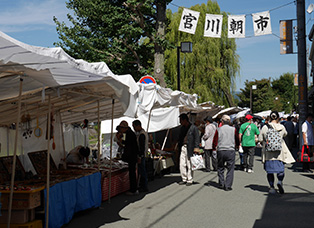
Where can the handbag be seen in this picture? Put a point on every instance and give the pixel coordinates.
(197, 162)
(304, 156)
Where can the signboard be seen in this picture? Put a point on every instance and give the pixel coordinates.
(286, 44)
(147, 79)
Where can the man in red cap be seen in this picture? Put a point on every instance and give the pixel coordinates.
(247, 133)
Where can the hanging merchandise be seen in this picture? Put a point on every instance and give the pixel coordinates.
(26, 123)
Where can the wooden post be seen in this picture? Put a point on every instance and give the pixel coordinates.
(48, 163)
(15, 149)
(111, 140)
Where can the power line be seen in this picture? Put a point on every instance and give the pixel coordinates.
(247, 14)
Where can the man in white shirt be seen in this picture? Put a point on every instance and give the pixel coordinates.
(308, 139)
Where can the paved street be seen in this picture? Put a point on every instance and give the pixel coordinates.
(247, 205)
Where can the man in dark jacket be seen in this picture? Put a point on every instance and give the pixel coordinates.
(130, 154)
(189, 141)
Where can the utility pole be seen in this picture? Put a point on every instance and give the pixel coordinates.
(302, 79)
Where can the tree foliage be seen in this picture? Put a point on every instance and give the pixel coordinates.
(262, 97)
(118, 32)
(210, 70)
(288, 93)
(279, 94)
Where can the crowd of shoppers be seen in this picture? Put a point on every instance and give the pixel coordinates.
(221, 139)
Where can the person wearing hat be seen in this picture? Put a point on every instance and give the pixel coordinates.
(130, 154)
(247, 133)
(225, 142)
(189, 141)
(208, 137)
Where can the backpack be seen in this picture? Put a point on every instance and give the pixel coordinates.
(273, 140)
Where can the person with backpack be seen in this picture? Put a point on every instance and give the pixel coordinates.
(247, 134)
(275, 153)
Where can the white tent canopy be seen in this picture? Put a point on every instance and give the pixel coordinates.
(75, 86)
(263, 113)
(228, 111)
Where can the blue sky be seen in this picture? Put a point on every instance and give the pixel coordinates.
(31, 22)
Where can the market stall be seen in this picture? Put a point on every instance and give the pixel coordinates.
(46, 83)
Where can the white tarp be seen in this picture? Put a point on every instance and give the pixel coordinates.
(161, 119)
(152, 96)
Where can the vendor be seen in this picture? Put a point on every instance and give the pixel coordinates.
(78, 155)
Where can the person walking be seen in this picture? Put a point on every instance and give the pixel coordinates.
(130, 154)
(142, 141)
(208, 137)
(274, 160)
(290, 129)
(189, 141)
(308, 140)
(225, 142)
(247, 133)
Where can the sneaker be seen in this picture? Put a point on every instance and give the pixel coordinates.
(182, 182)
(189, 184)
(250, 171)
(272, 191)
(280, 188)
(245, 169)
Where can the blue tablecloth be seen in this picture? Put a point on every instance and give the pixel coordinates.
(72, 196)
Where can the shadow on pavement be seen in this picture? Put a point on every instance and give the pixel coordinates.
(260, 188)
(110, 212)
(288, 210)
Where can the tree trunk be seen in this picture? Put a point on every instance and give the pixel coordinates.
(229, 97)
(159, 67)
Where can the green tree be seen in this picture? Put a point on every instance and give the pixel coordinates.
(210, 70)
(263, 97)
(121, 33)
(285, 90)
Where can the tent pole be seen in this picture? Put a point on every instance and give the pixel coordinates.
(99, 125)
(150, 113)
(165, 140)
(48, 162)
(111, 139)
(15, 150)
(62, 135)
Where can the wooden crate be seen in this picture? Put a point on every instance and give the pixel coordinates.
(33, 224)
(21, 199)
(18, 216)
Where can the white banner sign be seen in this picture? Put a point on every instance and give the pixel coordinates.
(189, 21)
(261, 23)
(213, 25)
(236, 26)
